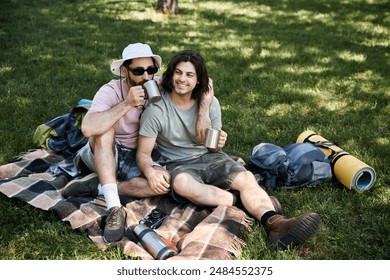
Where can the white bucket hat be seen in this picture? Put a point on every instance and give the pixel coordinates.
(134, 51)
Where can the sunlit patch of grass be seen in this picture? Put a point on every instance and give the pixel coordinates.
(349, 56)
(5, 69)
(279, 67)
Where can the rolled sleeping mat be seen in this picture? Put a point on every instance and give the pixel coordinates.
(348, 170)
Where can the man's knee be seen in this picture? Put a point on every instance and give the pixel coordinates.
(244, 179)
(182, 184)
(180, 180)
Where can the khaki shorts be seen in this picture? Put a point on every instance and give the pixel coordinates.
(216, 169)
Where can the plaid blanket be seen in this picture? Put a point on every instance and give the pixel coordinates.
(199, 233)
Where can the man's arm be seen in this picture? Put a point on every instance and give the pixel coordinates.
(97, 123)
(158, 178)
(203, 120)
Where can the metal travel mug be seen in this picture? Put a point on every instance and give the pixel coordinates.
(212, 138)
(153, 243)
(152, 91)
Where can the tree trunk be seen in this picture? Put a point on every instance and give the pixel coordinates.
(168, 6)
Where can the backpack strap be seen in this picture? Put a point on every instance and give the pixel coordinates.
(326, 145)
(334, 156)
(337, 157)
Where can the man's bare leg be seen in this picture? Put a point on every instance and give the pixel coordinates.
(201, 194)
(282, 231)
(254, 198)
(135, 187)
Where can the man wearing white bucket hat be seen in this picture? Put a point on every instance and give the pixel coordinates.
(112, 125)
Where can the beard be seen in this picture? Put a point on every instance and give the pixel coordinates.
(132, 83)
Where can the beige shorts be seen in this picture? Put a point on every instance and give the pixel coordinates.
(88, 158)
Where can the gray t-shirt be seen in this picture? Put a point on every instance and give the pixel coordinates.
(174, 128)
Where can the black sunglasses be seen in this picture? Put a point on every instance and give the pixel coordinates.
(139, 71)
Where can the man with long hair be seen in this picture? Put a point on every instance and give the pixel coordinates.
(198, 174)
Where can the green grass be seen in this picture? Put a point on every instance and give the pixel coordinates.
(279, 68)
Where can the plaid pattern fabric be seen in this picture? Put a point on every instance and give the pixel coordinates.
(200, 233)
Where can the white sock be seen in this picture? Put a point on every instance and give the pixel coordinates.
(100, 189)
(110, 192)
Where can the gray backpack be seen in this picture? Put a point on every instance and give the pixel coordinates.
(295, 166)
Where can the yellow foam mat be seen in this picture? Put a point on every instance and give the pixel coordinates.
(348, 170)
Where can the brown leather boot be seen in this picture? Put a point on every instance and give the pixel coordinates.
(291, 232)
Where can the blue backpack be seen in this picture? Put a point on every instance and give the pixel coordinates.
(295, 166)
(62, 135)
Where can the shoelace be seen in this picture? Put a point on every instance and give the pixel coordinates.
(115, 217)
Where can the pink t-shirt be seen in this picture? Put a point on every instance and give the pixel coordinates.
(127, 127)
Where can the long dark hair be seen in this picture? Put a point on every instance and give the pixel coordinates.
(200, 67)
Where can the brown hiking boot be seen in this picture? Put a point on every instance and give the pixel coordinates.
(292, 232)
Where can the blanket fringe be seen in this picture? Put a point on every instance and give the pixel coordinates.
(235, 248)
(32, 154)
(248, 223)
(237, 244)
